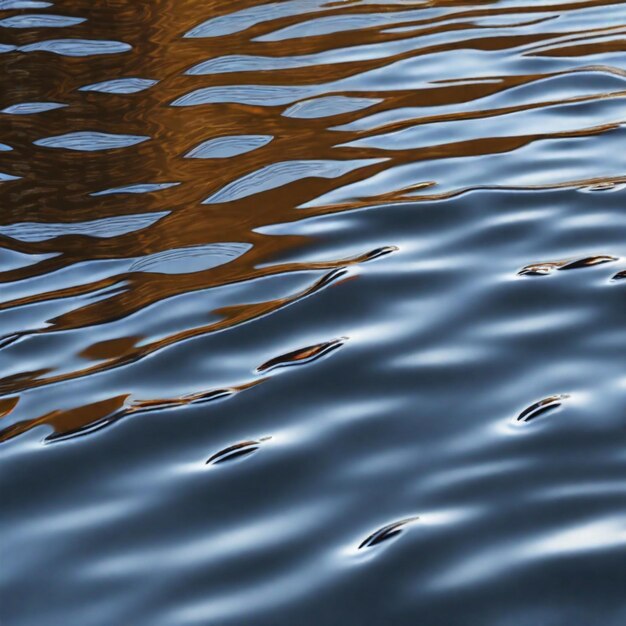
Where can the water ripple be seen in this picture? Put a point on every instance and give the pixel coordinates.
(226, 147)
(255, 95)
(236, 451)
(327, 106)
(90, 141)
(28, 108)
(186, 263)
(541, 407)
(245, 18)
(191, 259)
(9, 5)
(40, 21)
(105, 227)
(138, 188)
(77, 47)
(284, 173)
(121, 85)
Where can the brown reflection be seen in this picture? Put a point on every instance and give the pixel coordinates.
(64, 422)
(7, 405)
(111, 349)
(302, 355)
(547, 267)
(95, 416)
(56, 185)
(230, 316)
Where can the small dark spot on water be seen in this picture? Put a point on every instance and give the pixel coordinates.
(236, 451)
(620, 275)
(540, 408)
(329, 278)
(210, 396)
(542, 269)
(387, 532)
(379, 252)
(607, 186)
(302, 355)
(10, 339)
(589, 261)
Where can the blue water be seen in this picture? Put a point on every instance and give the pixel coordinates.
(312, 313)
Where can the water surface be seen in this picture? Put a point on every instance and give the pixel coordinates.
(312, 312)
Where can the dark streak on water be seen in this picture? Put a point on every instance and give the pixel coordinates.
(192, 192)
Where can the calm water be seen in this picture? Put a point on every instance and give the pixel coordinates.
(312, 313)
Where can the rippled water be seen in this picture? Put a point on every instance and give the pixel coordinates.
(312, 312)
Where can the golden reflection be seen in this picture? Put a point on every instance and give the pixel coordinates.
(56, 187)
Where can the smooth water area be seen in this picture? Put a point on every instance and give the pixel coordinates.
(312, 313)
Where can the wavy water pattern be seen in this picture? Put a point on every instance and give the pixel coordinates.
(28, 108)
(227, 147)
(77, 47)
(90, 141)
(40, 21)
(121, 85)
(312, 312)
(33, 232)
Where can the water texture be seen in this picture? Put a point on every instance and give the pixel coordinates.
(312, 313)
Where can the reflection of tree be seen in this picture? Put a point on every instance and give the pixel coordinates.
(57, 184)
